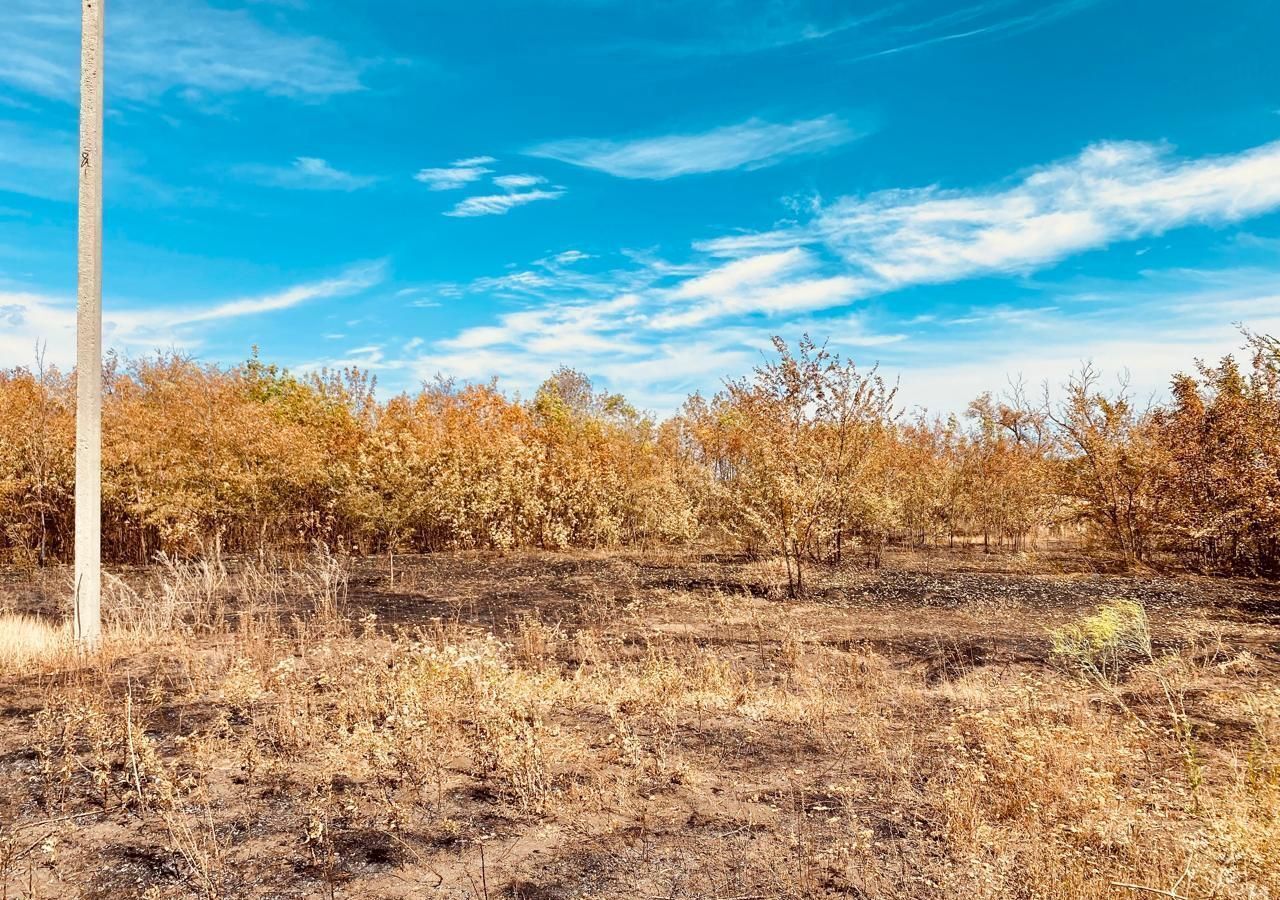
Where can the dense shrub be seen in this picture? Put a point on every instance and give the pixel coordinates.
(807, 458)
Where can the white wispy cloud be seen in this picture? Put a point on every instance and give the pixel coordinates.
(750, 243)
(518, 189)
(697, 28)
(352, 281)
(1152, 328)
(753, 144)
(459, 174)
(515, 182)
(652, 327)
(1148, 329)
(520, 281)
(371, 358)
(780, 283)
(991, 19)
(647, 329)
(746, 27)
(306, 173)
(499, 204)
(1110, 192)
(189, 47)
(30, 319)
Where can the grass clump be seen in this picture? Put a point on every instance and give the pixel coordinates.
(1106, 643)
(28, 640)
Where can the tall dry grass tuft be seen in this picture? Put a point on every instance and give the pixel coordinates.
(27, 641)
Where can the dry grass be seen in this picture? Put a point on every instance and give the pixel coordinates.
(593, 726)
(27, 641)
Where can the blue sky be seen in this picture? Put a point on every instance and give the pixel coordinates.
(964, 191)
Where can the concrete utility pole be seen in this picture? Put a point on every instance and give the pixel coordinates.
(88, 564)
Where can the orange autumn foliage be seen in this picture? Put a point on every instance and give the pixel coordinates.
(807, 458)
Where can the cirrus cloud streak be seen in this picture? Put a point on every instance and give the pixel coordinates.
(753, 144)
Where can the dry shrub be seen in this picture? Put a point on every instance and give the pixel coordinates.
(807, 459)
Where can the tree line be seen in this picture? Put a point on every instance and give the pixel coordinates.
(808, 458)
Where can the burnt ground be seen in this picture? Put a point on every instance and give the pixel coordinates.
(909, 605)
(729, 802)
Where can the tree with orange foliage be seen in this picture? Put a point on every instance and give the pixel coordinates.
(1111, 464)
(1222, 431)
(794, 447)
(1006, 469)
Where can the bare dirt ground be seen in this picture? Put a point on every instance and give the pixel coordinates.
(665, 725)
